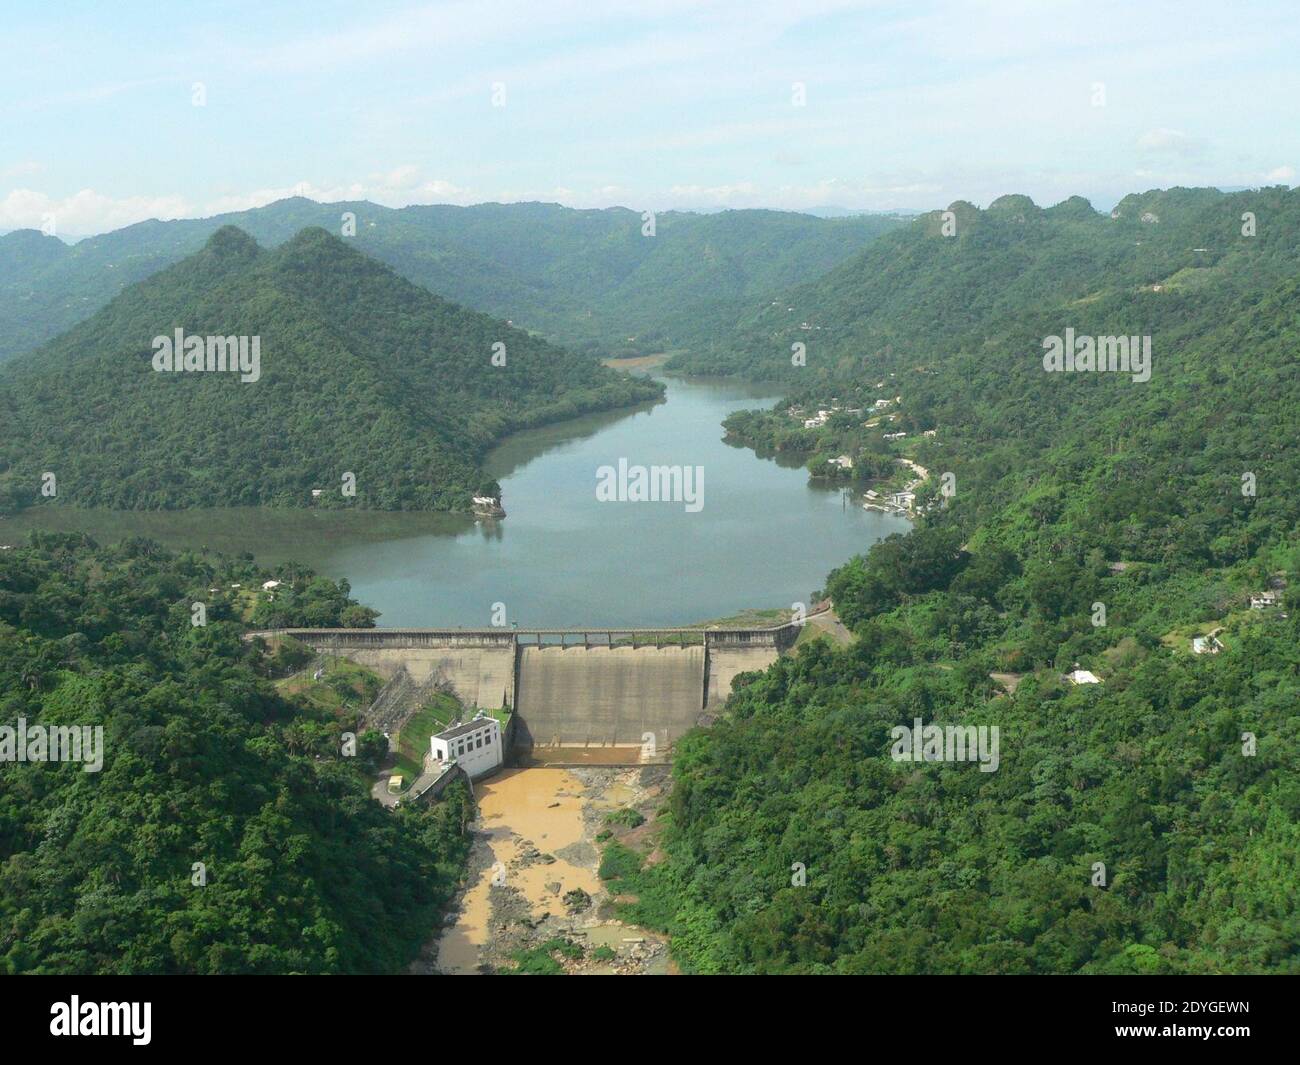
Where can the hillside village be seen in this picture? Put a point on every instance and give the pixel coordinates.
(838, 433)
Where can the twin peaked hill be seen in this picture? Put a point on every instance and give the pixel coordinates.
(361, 372)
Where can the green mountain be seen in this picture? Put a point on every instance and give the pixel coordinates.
(361, 373)
(918, 293)
(1149, 822)
(586, 279)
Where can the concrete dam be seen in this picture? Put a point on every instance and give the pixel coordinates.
(570, 688)
(608, 696)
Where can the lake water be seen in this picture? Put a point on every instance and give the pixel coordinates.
(763, 538)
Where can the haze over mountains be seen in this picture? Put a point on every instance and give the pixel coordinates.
(586, 279)
(361, 372)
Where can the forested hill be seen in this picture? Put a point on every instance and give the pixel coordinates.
(360, 373)
(225, 830)
(1149, 822)
(584, 278)
(943, 283)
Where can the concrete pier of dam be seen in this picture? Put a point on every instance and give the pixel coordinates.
(570, 688)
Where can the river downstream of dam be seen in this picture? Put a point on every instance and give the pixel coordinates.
(761, 537)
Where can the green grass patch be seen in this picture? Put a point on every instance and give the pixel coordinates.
(540, 960)
(749, 619)
(500, 714)
(627, 817)
(343, 684)
(619, 862)
(413, 737)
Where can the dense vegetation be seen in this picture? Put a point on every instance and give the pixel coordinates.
(361, 373)
(1148, 823)
(204, 762)
(915, 298)
(1098, 523)
(585, 279)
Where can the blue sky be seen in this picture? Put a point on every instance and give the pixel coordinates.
(644, 104)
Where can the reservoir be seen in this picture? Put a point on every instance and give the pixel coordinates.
(763, 537)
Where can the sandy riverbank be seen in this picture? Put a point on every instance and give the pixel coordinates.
(637, 362)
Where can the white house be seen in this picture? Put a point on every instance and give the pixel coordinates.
(1083, 676)
(474, 745)
(844, 462)
(1264, 599)
(268, 586)
(1206, 645)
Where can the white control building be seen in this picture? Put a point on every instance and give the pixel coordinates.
(474, 745)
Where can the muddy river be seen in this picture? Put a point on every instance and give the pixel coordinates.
(534, 844)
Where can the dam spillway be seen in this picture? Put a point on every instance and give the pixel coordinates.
(608, 696)
(569, 688)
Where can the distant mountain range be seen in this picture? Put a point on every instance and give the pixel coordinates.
(362, 378)
(586, 279)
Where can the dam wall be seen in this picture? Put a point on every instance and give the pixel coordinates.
(480, 676)
(570, 687)
(726, 663)
(608, 696)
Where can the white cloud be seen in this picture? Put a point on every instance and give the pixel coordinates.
(1170, 142)
(399, 187)
(688, 29)
(730, 195)
(25, 168)
(88, 212)
(84, 212)
(1282, 175)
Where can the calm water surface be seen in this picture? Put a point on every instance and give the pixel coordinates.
(764, 538)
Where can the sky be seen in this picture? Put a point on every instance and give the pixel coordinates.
(113, 113)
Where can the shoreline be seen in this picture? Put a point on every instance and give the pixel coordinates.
(637, 362)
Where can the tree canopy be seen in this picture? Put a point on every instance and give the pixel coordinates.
(204, 761)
